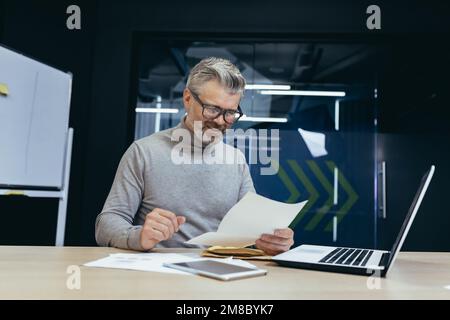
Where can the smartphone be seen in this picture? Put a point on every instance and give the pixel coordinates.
(216, 269)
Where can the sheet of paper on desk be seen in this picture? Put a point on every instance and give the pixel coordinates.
(248, 219)
(152, 262)
(139, 261)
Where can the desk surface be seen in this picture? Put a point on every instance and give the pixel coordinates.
(41, 273)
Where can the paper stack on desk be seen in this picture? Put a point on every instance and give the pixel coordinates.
(252, 216)
(139, 261)
(152, 261)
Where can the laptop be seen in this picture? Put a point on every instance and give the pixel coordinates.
(354, 260)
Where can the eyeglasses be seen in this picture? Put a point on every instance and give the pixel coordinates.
(211, 112)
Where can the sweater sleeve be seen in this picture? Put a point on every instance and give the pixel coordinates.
(246, 180)
(114, 225)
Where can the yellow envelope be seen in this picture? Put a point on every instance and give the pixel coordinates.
(236, 252)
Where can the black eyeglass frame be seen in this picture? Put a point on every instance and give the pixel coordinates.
(222, 111)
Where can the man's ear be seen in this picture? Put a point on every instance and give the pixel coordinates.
(187, 99)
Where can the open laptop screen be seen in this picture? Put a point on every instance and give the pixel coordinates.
(410, 216)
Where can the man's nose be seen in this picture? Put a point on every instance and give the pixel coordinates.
(219, 121)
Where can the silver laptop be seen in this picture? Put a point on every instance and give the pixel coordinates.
(354, 260)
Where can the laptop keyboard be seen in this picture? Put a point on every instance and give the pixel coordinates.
(353, 257)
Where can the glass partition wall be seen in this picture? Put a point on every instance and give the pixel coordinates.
(309, 130)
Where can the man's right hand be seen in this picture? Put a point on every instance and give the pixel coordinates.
(159, 225)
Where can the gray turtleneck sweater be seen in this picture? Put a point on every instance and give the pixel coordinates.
(147, 178)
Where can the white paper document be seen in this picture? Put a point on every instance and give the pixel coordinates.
(139, 261)
(153, 261)
(252, 216)
(315, 141)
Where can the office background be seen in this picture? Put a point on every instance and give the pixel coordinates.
(135, 53)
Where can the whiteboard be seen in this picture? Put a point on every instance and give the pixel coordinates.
(34, 120)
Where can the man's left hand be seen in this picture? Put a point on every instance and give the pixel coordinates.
(280, 241)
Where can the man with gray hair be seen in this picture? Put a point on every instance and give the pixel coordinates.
(155, 202)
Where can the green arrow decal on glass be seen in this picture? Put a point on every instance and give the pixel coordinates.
(314, 195)
(295, 194)
(321, 212)
(352, 196)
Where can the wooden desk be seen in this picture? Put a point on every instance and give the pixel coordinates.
(40, 273)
